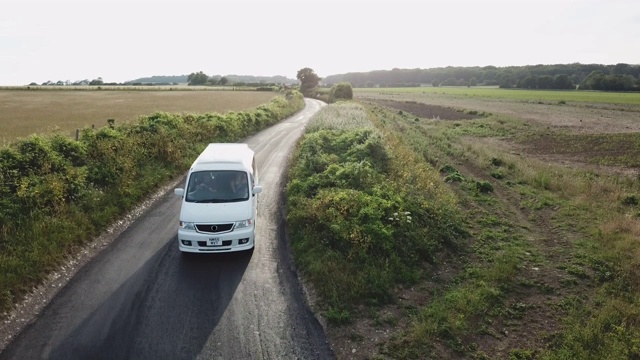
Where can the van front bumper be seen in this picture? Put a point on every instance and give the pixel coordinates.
(196, 242)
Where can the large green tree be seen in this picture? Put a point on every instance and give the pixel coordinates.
(562, 81)
(594, 81)
(308, 80)
(529, 82)
(198, 78)
(97, 81)
(545, 82)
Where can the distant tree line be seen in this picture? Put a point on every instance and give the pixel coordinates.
(198, 78)
(151, 83)
(251, 79)
(84, 82)
(100, 82)
(619, 77)
(160, 80)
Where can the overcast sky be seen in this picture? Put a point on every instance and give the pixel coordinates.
(118, 40)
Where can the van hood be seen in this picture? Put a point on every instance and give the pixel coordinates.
(207, 213)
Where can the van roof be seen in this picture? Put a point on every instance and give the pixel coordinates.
(225, 153)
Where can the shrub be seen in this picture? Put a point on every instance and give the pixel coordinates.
(337, 316)
(454, 177)
(361, 219)
(631, 200)
(341, 91)
(108, 159)
(497, 162)
(484, 186)
(73, 151)
(37, 158)
(497, 175)
(448, 169)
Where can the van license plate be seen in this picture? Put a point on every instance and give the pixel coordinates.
(213, 241)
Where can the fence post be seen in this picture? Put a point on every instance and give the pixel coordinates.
(77, 134)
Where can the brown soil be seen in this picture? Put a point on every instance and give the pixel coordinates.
(573, 117)
(426, 111)
(534, 314)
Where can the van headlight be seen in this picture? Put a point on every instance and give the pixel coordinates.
(244, 224)
(187, 225)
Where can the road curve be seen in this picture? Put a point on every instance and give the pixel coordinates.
(140, 298)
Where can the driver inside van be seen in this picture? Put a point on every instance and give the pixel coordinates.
(203, 182)
(203, 185)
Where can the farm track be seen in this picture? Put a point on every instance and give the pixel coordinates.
(550, 246)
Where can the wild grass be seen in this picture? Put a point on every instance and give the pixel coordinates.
(590, 216)
(598, 212)
(358, 227)
(478, 293)
(347, 116)
(26, 112)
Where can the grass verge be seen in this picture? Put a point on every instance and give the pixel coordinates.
(542, 262)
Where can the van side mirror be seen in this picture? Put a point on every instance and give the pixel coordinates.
(179, 192)
(257, 189)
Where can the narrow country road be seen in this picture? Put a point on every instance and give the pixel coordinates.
(141, 299)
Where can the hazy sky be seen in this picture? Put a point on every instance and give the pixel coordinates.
(120, 40)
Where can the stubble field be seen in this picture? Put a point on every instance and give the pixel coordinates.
(25, 112)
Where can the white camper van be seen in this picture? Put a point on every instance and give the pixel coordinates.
(219, 201)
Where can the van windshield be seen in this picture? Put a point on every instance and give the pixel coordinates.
(217, 186)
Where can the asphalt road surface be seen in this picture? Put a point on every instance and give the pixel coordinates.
(140, 298)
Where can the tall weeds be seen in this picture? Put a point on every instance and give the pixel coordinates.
(365, 213)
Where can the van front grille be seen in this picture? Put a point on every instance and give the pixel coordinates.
(214, 228)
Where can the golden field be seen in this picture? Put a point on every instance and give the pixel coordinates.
(25, 112)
